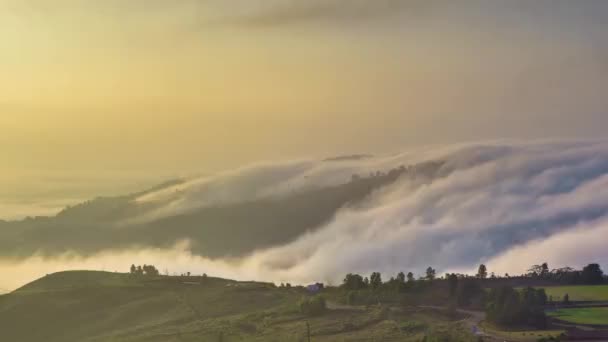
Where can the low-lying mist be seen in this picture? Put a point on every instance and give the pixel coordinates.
(509, 205)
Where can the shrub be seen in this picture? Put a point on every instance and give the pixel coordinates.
(313, 306)
(509, 307)
(351, 298)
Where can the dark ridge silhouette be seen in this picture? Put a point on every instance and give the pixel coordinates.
(227, 230)
(348, 157)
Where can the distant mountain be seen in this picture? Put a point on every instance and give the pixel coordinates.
(348, 157)
(231, 229)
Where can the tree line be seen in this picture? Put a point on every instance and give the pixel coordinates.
(149, 270)
(504, 304)
(591, 274)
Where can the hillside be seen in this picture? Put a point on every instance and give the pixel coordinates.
(101, 306)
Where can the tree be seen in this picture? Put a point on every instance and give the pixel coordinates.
(535, 271)
(133, 269)
(452, 283)
(150, 270)
(544, 270)
(353, 282)
(313, 306)
(592, 274)
(430, 273)
(506, 306)
(139, 271)
(401, 277)
(375, 280)
(410, 277)
(534, 297)
(467, 291)
(482, 272)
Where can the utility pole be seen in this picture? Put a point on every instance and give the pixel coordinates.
(308, 330)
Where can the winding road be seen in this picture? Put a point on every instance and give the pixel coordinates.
(473, 320)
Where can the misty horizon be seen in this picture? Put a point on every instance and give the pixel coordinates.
(438, 200)
(303, 170)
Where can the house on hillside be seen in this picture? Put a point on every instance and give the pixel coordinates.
(314, 288)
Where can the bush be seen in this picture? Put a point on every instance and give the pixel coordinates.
(363, 297)
(313, 306)
(508, 307)
(351, 298)
(467, 290)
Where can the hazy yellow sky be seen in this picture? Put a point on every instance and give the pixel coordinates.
(173, 87)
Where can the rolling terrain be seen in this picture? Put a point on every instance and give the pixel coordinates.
(590, 293)
(589, 316)
(102, 306)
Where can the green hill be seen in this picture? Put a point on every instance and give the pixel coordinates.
(578, 293)
(101, 306)
(79, 279)
(597, 315)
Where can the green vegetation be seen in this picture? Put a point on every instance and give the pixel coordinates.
(509, 307)
(101, 306)
(578, 293)
(313, 306)
(582, 315)
(72, 280)
(145, 306)
(591, 274)
(357, 290)
(521, 335)
(443, 333)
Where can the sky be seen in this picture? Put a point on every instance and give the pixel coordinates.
(100, 97)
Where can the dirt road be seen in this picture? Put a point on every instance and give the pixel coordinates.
(474, 318)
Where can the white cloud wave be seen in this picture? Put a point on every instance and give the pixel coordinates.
(491, 200)
(509, 205)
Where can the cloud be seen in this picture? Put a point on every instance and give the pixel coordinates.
(506, 204)
(274, 180)
(490, 200)
(281, 13)
(576, 247)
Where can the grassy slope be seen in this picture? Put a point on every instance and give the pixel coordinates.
(582, 315)
(100, 306)
(579, 293)
(518, 334)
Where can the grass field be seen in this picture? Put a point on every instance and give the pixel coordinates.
(582, 315)
(100, 306)
(579, 293)
(519, 335)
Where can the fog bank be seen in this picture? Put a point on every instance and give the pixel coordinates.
(509, 205)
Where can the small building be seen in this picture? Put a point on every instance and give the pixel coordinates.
(314, 288)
